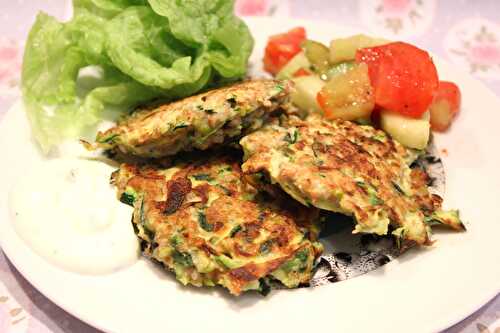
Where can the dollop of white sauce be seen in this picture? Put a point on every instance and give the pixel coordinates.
(67, 212)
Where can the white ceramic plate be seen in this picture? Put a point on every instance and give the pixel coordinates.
(422, 291)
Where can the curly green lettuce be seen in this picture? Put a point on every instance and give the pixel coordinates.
(140, 50)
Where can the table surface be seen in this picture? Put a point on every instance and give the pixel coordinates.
(466, 33)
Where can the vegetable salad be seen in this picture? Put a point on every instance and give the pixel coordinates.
(394, 85)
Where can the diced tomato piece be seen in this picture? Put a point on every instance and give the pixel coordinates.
(445, 106)
(281, 48)
(449, 91)
(302, 72)
(403, 76)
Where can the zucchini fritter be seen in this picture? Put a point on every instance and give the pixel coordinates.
(205, 223)
(199, 121)
(347, 168)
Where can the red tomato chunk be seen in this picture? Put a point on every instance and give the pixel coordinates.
(445, 106)
(403, 77)
(281, 48)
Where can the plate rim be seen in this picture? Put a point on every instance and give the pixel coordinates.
(49, 295)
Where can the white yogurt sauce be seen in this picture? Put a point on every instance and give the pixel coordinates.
(67, 212)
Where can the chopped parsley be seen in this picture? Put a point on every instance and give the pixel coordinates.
(398, 188)
(224, 189)
(150, 234)
(109, 138)
(298, 263)
(182, 258)
(361, 184)
(375, 200)
(202, 176)
(175, 241)
(265, 247)
(280, 87)
(201, 108)
(431, 221)
(180, 126)
(292, 138)
(264, 287)
(379, 137)
(235, 230)
(202, 221)
(127, 198)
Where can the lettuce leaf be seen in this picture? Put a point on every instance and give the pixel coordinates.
(142, 50)
(210, 26)
(104, 8)
(133, 52)
(194, 22)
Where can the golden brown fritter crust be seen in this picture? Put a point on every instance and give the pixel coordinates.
(199, 121)
(347, 168)
(209, 226)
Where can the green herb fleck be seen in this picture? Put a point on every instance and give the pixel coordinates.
(291, 138)
(108, 139)
(182, 258)
(208, 111)
(361, 184)
(431, 221)
(143, 222)
(302, 255)
(224, 189)
(298, 263)
(127, 198)
(202, 176)
(202, 221)
(149, 233)
(398, 188)
(375, 200)
(265, 247)
(379, 137)
(235, 230)
(180, 126)
(225, 169)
